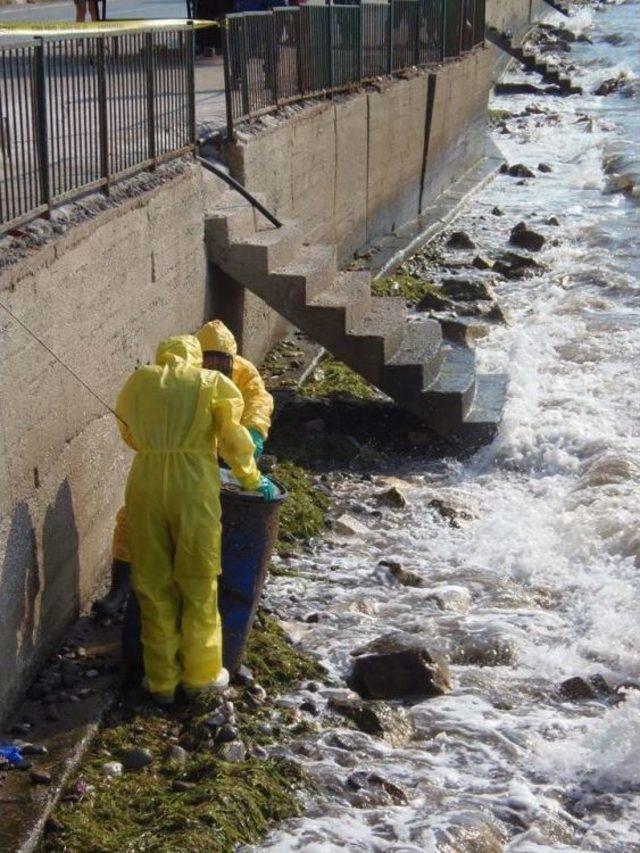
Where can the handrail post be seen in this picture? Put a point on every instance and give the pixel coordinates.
(40, 113)
(103, 127)
(151, 105)
(243, 77)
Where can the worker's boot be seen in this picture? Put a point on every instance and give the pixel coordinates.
(117, 596)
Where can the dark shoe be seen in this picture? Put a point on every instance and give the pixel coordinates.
(117, 596)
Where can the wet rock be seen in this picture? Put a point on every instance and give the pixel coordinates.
(452, 515)
(243, 676)
(497, 211)
(519, 170)
(402, 575)
(232, 752)
(53, 825)
(259, 752)
(177, 754)
(433, 301)
(112, 769)
(471, 832)
(495, 313)
(612, 84)
(136, 758)
(34, 749)
(466, 289)
(24, 764)
(482, 263)
(363, 779)
(456, 598)
(392, 497)
(40, 777)
(215, 721)
(577, 689)
(347, 525)
(310, 707)
(313, 686)
(523, 236)
(460, 240)
(227, 733)
(484, 649)
(544, 167)
(374, 718)
(21, 729)
(553, 220)
(181, 786)
(92, 673)
(398, 666)
(620, 184)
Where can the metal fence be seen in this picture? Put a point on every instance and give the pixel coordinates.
(78, 113)
(289, 53)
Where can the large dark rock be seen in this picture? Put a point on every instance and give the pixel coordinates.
(466, 289)
(526, 238)
(398, 666)
(460, 240)
(405, 577)
(374, 718)
(519, 170)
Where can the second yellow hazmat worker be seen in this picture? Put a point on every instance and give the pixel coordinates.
(219, 352)
(179, 418)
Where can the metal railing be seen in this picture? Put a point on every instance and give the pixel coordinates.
(79, 113)
(289, 53)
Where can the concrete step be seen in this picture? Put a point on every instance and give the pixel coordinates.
(267, 251)
(463, 330)
(446, 402)
(312, 271)
(417, 361)
(349, 298)
(483, 419)
(233, 218)
(375, 337)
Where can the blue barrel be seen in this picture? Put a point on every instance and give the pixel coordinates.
(249, 533)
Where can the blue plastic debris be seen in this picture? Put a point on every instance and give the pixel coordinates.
(13, 754)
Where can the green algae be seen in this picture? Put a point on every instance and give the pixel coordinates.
(225, 805)
(303, 513)
(335, 379)
(412, 288)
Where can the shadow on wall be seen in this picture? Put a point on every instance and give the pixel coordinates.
(39, 590)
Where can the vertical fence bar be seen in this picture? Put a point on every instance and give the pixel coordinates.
(226, 55)
(359, 43)
(40, 114)
(151, 104)
(246, 109)
(191, 83)
(391, 17)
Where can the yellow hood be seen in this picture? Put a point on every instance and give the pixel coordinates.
(181, 348)
(215, 336)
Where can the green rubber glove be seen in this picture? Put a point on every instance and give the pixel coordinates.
(267, 489)
(258, 443)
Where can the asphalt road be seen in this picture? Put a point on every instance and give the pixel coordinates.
(65, 11)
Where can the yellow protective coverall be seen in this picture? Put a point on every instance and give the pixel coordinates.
(258, 402)
(178, 418)
(258, 409)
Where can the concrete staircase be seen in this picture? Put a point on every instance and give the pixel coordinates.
(531, 61)
(407, 358)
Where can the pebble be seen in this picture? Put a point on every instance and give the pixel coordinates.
(112, 769)
(181, 786)
(244, 676)
(40, 777)
(265, 729)
(136, 758)
(497, 211)
(233, 752)
(313, 687)
(91, 673)
(310, 707)
(215, 721)
(226, 734)
(22, 765)
(258, 751)
(177, 754)
(34, 749)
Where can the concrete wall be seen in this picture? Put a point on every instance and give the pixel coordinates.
(101, 296)
(516, 16)
(354, 169)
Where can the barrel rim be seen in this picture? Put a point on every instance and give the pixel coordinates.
(251, 497)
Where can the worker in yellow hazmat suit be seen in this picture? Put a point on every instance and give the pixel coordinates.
(219, 352)
(178, 418)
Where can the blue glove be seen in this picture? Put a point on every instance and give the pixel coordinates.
(258, 443)
(267, 489)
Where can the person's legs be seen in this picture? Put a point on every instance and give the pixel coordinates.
(120, 569)
(93, 10)
(81, 11)
(196, 534)
(158, 595)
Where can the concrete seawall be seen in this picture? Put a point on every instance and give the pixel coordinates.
(356, 168)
